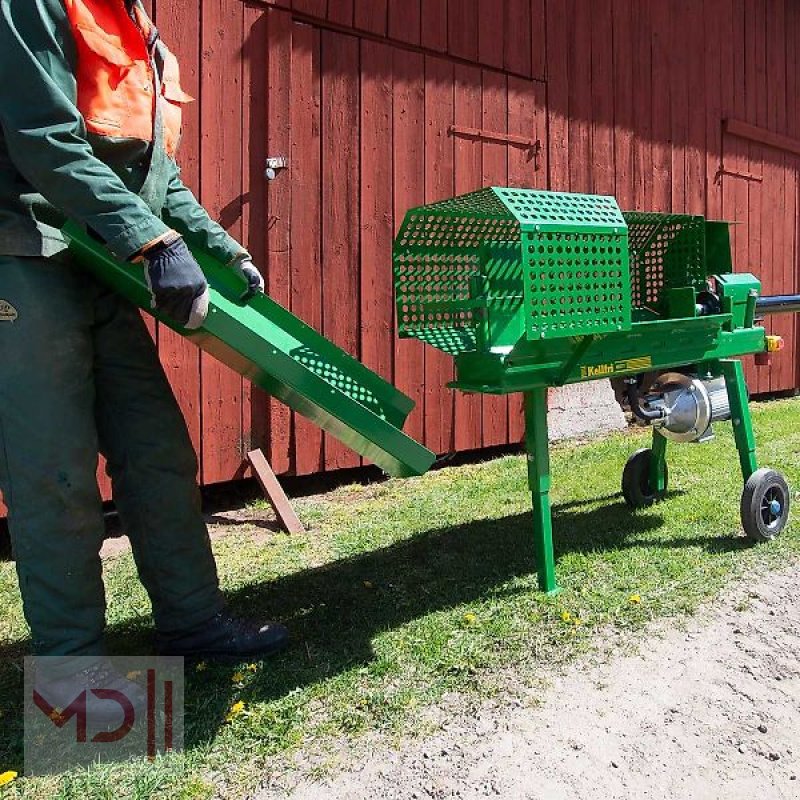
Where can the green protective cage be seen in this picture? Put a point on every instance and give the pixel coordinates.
(669, 251)
(481, 271)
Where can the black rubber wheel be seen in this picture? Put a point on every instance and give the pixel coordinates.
(636, 486)
(766, 502)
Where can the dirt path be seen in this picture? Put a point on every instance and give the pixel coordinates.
(709, 711)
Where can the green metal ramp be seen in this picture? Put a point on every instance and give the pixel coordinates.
(267, 344)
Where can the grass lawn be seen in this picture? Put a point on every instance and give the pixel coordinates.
(405, 590)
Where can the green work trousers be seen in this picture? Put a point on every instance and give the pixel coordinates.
(79, 374)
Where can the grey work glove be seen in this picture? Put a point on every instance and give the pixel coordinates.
(177, 285)
(248, 271)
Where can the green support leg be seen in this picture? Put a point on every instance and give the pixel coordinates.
(537, 444)
(740, 416)
(658, 464)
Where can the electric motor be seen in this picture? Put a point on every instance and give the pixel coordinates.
(689, 406)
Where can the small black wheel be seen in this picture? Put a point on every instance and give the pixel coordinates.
(765, 505)
(636, 486)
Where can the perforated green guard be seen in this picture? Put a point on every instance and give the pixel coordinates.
(575, 256)
(436, 256)
(474, 271)
(667, 251)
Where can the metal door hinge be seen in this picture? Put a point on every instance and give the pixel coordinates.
(533, 146)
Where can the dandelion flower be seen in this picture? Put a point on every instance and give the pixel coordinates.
(566, 616)
(236, 709)
(201, 666)
(237, 677)
(470, 619)
(635, 598)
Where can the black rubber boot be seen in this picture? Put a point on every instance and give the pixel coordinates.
(226, 637)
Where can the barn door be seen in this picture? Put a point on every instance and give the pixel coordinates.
(760, 195)
(372, 129)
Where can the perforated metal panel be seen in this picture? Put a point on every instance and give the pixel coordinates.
(436, 255)
(667, 251)
(557, 209)
(575, 251)
(473, 271)
(576, 284)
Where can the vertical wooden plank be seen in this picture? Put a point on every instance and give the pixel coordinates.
(558, 63)
(372, 16)
(661, 91)
(792, 35)
(405, 21)
(468, 178)
(439, 401)
(409, 192)
(340, 203)
(539, 35)
(759, 198)
(341, 12)
(179, 26)
(781, 377)
(602, 83)
(306, 215)
(517, 42)
(624, 112)
(462, 20)
(434, 24)
(377, 146)
(255, 116)
(491, 33)
(735, 153)
(643, 104)
(495, 173)
(221, 185)
(679, 101)
(279, 208)
(527, 103)
(580, 100)
(697, 98)
(717, 37)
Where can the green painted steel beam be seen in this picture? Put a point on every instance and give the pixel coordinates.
(267, 344)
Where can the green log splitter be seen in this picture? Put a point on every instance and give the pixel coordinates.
(531, 289)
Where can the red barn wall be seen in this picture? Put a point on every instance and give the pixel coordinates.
(627, 97)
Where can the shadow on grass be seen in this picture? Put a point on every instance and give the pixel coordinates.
(333, 617)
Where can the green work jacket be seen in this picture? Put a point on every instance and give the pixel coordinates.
(52, 169)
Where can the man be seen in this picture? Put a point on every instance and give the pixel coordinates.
(90, 109)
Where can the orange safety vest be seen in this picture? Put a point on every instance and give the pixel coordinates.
(115, 74)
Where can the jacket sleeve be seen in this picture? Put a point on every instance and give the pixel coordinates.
(46, 135)
(185, 214)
